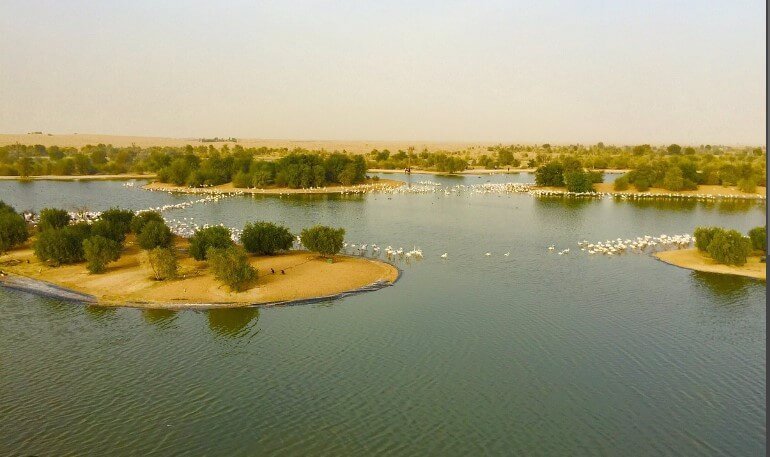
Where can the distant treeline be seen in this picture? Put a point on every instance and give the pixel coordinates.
(188, 165)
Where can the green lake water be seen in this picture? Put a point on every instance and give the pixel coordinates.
(527, 354)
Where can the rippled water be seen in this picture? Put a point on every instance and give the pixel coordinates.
(528, 354)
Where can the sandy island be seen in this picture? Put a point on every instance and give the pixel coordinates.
(225, 188)
(693, 259)
(128, 282)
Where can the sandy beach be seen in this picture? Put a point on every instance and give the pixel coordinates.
(226, 188)
(693, 259)
(129, 280)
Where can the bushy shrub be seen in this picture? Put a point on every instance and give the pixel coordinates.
(266, 238)
(53, 218)
(139, 220)
(62, 245)
(323, 240)
(704, 235)
(758, 236)
(99, 251)
(155, 234)
(730, 247)
(163, 263)
(578, 181)
(231, 266)
(210, 237)
(642, 185)
(747, 185)
(119, 217)
(674, 180)
(620, 184)
(13, 229)
(111, 230)
(550, 174)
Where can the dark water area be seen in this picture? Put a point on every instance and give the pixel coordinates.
(527, 354)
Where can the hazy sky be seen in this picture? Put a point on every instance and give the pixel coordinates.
(538, 71)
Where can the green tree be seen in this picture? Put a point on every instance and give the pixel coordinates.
(674, 149)
(231, 266)
(163, 263)
(747, 185)
(620, 184)
(578, 181)
(155, 234)
(326, 241)
(730, 247)
(53, 218)
(758, 236)
(13, 230)
(674, 180)
(704, 235)
(61, 245)
(550, 174)
(99, 251)
(139, 220)
(266, 238)
(209, 237)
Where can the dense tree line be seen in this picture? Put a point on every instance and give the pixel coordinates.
(191, 166)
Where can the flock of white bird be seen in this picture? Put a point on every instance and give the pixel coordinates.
(637, 245)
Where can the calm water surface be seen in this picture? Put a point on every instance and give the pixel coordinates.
(530, 354)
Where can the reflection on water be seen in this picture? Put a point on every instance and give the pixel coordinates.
(232, 322)
(99, 312)
(160, 317)
(727, 289)
(564, 202)
(724, 206)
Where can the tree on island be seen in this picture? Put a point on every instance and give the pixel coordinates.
(53, 218)
(210, 237)
(730, 247)
(231, 266)
(326, 241)
(266, 238)
(155, 234)
(578, 181)
(163, 263)
(13, 228)
(704, 235)
(62, 245)
(140, 220)
(550, 174)
(758, 236)
(99, 251)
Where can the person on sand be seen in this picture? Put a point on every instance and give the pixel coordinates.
(283, 272)
(272, 272)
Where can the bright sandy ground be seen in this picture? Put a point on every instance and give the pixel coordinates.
(356, 147)
(695, 260)
(129, 280)
(382, 184)
(702, 190)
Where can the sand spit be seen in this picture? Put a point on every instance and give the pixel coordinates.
(368, 186)
(128, 282)
(693, 259)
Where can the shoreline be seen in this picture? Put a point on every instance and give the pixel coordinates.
(128, 281)
(692, 259)
(705, 192)
(369, 185)
(121, 177)
(475, 171)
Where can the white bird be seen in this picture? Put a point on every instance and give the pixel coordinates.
(551, 247)
(488, 253)
(444, 255)
(507, 254)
